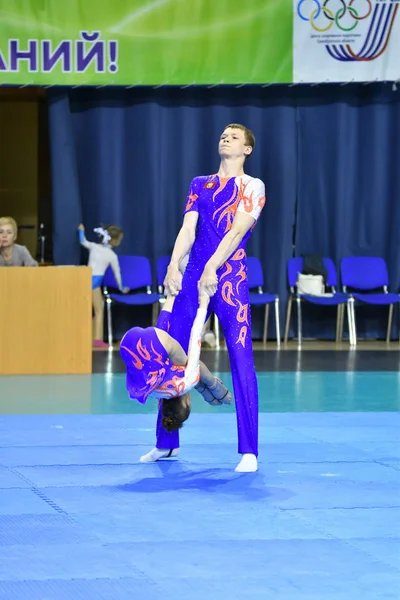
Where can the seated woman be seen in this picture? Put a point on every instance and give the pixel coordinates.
(156, 365)
(12, 254)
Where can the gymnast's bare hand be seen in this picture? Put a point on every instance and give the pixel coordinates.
(126, 290)
(173, 281)
(208, 282)
(81, 227)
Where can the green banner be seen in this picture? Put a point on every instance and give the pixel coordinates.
(145, 42)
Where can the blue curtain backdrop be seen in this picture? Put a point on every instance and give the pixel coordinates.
(328, 157)
(349, 184)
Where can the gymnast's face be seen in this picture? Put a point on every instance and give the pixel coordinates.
(7, 236)
(232, 144)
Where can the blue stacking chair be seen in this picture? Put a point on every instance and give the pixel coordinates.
(339, 299)
(136, 274)
(255, 277)
(366, 276)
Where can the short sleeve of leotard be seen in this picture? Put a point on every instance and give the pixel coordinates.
(191, 204)
(252, 198)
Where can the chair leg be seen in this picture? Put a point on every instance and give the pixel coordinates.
(154, 313)
(299, 323)
(109, 322)
(288, 316)
(339, 323)
(351, 320)
(338, 318)
(216, 333)
(159, 306)
(277, 323)
(389, 326)
(353, 310)
(266, 318)
(342, 310)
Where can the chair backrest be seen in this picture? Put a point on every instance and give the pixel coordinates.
(135, 273)
(162, 266)
(295, 266)
(364, 272)
(255, 273)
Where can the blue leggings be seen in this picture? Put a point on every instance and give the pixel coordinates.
(231, 305)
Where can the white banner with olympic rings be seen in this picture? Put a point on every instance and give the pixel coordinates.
(346, 40)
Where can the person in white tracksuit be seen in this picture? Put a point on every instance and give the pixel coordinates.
(101, 256)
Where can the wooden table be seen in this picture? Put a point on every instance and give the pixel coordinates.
(45, 320)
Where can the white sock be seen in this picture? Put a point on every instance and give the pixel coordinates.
(248, 464)
(158, 453)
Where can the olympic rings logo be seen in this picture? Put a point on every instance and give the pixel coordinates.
(332, 18)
